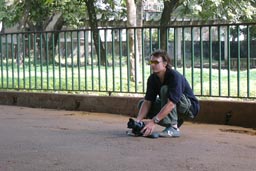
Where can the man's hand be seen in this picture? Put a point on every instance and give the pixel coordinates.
(148, 128)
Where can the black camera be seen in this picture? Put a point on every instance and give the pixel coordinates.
(135, 126)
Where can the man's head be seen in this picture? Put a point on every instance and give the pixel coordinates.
(159, 61)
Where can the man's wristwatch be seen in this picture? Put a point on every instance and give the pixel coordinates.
(156, 120)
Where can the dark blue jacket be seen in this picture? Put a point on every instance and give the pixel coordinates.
(177, 85)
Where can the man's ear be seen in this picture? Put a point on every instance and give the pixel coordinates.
(165, 63)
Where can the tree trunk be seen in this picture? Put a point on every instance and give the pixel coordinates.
(99, 45)
(52, 44)
(139, 17)
(169, 7)
(131, 22)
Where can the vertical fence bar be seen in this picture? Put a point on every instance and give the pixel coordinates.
(183, 52)
(229, 76)
(210, 61)
(69, 61)
(47, 59)
(60, 60)
(53, 60)
(143, 59)
(92, 68)
(7, 61)
(99, 61)
(219, 61)
(12, 54)
(174, 48)
(86, 44)
(135, 59)
(21, 61)
(150, 44)
(24, 47)
(128, 60)
(150, 40)
(41, 60)
(248, 60)
(201, 62)
(159, 38)
(192, 58)
(72, 60)
(120, 59)
(78, 60)
(106, 54)
(66, 61)
(29, 61)
(167, 38)
(35, 58)
(113, 62)
(238, 61)
(17, 60)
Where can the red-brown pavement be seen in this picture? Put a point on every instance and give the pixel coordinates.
(34, 139)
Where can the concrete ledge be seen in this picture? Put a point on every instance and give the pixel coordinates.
(216, 112)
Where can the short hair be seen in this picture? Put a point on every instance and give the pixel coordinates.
(164, 55)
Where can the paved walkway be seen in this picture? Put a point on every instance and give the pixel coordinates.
(53, 140)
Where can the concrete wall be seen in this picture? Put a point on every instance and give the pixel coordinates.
(216, 112)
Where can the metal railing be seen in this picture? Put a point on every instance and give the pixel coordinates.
(217, 60)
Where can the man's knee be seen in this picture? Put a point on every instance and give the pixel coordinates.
(183, 105)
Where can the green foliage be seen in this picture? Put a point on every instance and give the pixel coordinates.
(74, 13)
(38, 13)
(2, 9)
(111, 9)
(224, 10)
(10, 13)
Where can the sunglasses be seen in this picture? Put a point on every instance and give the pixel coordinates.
(154, 62)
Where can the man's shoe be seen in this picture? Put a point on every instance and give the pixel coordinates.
(170, 132)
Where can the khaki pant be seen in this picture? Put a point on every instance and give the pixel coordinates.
(181, 110)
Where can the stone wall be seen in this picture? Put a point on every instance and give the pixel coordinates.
(212, 111)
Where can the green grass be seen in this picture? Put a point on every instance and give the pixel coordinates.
(222, 84)
(92, 78)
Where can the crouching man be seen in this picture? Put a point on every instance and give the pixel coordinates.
(168, 98)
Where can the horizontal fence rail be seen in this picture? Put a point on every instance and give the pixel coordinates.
(217, 60)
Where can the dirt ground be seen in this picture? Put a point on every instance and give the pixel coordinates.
(54, 140)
